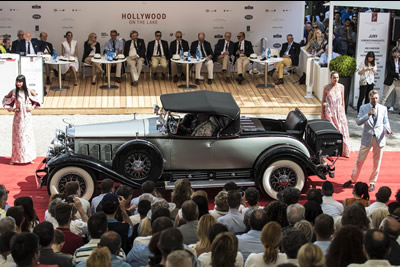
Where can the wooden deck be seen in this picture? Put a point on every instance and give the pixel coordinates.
(90, 99)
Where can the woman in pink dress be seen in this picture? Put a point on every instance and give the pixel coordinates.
(333, 109)
(22, 101)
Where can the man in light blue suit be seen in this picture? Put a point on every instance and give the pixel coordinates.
(376, 124)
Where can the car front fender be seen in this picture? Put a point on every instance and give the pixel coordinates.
(88, 163)
(288, 152)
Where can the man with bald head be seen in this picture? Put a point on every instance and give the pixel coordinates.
(205, 52)
(391, 227)
(14, 45)
(377, 247)
(29, 45)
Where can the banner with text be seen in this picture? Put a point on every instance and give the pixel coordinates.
(265, 19)
(372, 36)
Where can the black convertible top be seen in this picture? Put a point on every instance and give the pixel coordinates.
(217, 103)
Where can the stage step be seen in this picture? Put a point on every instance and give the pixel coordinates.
(212, 183)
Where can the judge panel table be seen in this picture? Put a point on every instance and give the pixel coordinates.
(187, 63)
(272, 60)
(108, 66)
(60, 61)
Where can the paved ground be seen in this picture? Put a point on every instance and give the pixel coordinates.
(45, 126)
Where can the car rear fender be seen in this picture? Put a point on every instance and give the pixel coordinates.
(135, 144)
(287, 152)
(89, 163)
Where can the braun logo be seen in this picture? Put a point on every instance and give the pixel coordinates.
(373, 36)
(276, 45)
(277, 36)
(218, 36)
(248, 7)
(36, 7)
(248, 17)
(36, 16)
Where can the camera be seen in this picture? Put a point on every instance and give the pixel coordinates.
(69, 199)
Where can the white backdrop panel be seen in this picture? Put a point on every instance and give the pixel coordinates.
(271, 19)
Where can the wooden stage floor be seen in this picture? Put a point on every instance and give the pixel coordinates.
(90, 99)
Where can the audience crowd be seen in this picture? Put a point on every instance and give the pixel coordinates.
(119, 228)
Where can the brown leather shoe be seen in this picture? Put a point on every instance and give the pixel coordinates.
(118, 79)
(271, 72)
(279, 81)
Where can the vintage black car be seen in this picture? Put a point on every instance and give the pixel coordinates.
(272, 154)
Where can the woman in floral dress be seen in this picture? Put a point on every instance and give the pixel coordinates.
(332, 109)
(22, 101)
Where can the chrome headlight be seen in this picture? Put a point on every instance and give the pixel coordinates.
(60, 134)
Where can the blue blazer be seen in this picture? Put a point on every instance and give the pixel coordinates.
(37, 46)
(372, 127)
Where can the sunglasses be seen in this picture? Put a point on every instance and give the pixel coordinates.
(179, 37)
(315, 27)
(158, 35)
(69, 35)
(94, 36)
(239, 36)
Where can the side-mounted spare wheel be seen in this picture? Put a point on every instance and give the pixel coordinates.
(280, 174)
(139, 163)
(59, 177)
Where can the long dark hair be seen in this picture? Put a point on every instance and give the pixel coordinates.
(366, 62)
(21, 78)
(29, 211)
(361, 190)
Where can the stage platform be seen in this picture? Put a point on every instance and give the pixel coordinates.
(91, 99)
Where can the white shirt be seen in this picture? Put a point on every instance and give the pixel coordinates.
(132, 49)
(216, 214)
(257, 260)
(156, 47)
(331, 201)
(368, 75)
(226, 43)
(233, 221)
(177, 47)
(204, 260)
(32, 50)
(375, 206)
(96, 201)
(9, 262)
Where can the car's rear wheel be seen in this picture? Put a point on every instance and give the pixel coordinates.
(281, 174)
(85, 178)
(140, 164)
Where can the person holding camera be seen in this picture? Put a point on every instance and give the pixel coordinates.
(392, 80)
(367, 71)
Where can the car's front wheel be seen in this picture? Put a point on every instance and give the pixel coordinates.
(281, 174)
(85, 178)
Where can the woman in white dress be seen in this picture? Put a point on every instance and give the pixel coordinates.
(69, 48)
(271, 238)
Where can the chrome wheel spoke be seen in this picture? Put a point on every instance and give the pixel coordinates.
(283, 177)
(138, 166)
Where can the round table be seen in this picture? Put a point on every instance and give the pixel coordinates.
(60, 61)
(192, 61)
(271, 60)
(102, 60)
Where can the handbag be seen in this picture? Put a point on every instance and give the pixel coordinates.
(363, 82)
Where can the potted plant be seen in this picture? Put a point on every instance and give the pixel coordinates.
(346, 66)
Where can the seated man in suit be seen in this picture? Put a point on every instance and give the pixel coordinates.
(158, 54)
(243, 50)
(115, 45)
(205, 52)
(223, 52)
(47, 48)
(135, 53)
(14, 44)
(290, 53)
(175, 49)
(29, 45)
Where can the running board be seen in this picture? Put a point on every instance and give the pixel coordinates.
(212, 183)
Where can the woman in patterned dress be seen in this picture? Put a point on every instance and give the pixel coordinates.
(22, 101)
(333, 109)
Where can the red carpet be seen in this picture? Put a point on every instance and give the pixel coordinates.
(20, 180)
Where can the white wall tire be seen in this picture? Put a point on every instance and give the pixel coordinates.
(281, 174)
(62, 176)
